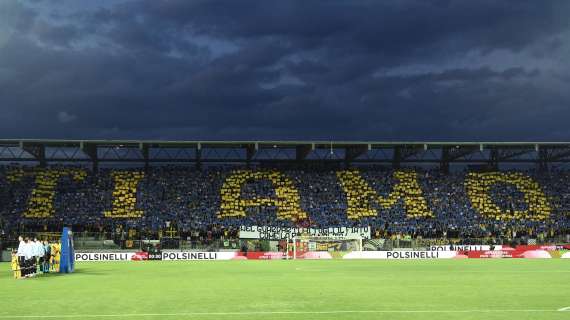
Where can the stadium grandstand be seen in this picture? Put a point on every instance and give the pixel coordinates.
(199, 194)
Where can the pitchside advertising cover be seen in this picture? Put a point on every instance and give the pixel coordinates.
(143, 256)
(532, 252)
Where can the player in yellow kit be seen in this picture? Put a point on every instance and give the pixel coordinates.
(55, 256)
(16, 266)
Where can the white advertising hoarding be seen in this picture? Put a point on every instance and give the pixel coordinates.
(396, 255)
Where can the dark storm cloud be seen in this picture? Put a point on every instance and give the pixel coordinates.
(362, 70)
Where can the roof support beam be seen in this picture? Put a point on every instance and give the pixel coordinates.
(302, 151)
(353, 152)
(37, 150)
(251, 150)
(445, 158)
(543, 159)
(494, 159)
(199, 156)
(397, 158)
(91, 151)
(145, 153)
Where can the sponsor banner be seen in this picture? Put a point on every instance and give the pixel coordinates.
(316, 255)
(536, 254)
(494, 254)
(140, 256)
(311, 255)
(262, 255)
(542, 247)
(464, 248)
(400, 255)
(393, 255)
(279, 233)
(191, 255)
(527, 254)
(155, 256)
(517, 253)
(104, 256)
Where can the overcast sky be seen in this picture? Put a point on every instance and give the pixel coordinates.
(340, 70)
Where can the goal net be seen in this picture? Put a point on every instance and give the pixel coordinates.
(321, 247)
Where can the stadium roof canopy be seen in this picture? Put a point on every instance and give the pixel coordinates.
(247, 152)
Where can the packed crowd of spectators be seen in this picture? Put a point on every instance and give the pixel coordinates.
(214, 202)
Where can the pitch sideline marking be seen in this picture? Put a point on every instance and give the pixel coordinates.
(191, 314)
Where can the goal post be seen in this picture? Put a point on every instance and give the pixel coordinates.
(313, 247)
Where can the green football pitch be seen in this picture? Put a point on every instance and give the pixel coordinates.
(335, 289)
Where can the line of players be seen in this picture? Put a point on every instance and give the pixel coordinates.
(35, 257)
